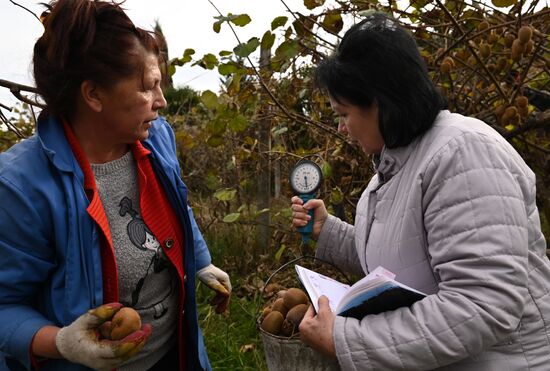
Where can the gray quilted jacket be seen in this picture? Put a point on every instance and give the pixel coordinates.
(453, 214)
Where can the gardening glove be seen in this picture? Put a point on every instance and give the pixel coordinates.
(217, 280)
(80, 343)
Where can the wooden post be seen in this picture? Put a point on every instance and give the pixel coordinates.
(264, 165)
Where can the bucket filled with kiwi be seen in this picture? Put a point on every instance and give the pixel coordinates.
(279, 322)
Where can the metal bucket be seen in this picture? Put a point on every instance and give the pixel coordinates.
(290, 354)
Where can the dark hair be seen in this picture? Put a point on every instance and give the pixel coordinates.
(86, 40)
(378, 61)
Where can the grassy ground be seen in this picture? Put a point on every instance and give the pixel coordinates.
(232, 341)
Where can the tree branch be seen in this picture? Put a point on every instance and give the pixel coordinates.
(287, 113)
(21, 6)
(16, 90)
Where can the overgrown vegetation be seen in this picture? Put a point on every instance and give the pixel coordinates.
(237, 145)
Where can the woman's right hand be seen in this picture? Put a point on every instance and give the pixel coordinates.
(80, 342)
(300, 216)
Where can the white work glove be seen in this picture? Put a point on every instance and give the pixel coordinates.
(217, 280)
(80, 341)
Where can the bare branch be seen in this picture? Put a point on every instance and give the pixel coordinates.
(286, 112)
(472, 50)
(16, 89)
(21, 6)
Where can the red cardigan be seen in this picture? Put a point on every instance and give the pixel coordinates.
(157, 214)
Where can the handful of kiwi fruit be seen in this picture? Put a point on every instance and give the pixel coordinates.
(283, 316)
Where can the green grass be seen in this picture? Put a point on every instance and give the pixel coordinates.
(232, 341)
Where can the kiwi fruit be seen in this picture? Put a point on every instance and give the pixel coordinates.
(281, 293)
(508, 39)
(492, 38)
(523, 111)
(509, 112)
(517, 49)
(482, 26)
(521, 101)
(296, 314)
(287, 328)
(524, 34)
(528, 47)
(499, 111)
(293, 297)
(266, 311)
(279, 306)
(501, 63)
(485, 50)
(272, 322)
(445, 67)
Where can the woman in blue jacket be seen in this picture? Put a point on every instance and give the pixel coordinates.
(94, 213)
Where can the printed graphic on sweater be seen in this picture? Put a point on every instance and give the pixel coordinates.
(142, 238)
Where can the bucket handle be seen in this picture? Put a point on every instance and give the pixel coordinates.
(284, 266)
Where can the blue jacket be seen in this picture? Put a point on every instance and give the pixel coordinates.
(50, 270)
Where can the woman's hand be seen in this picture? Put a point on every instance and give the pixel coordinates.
(80, 343)
(300, 216)
(218, 281)
(316, 330)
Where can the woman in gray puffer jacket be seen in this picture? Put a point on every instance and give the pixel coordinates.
(451, 211)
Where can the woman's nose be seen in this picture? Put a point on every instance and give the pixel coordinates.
(342, 127)
(160, 101)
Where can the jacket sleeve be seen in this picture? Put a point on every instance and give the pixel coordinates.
(202, 254)
(26, 263)
(475, 197)
(168, 144)
(336, 244)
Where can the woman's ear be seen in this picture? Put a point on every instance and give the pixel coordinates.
(91, 96)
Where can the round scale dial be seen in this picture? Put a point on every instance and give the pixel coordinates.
(305, 177)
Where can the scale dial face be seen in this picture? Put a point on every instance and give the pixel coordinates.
(306, 177)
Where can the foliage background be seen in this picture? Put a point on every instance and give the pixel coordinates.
(237, 145)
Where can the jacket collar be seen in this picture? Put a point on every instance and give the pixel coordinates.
(51, 134)
(390, 161)
(54, 141)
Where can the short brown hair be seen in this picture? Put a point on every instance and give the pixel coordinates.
(86, 40)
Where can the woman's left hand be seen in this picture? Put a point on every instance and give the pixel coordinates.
(316, 329)
(217, 280)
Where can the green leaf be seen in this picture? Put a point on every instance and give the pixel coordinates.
(504, 3)
(333, 22)
(209, 99)
(187, 53)
(234, 84)
(227, 68)
(268, 39)
(171, 69)
(225, 53)
(216, 126)
(243, 50)
(238, 123)
(212, 182)
(209, 61)
(336, 196)
(230, 218)
(240, 20)
(217, 26)
(225, 194)
(215, 141)
(278, 22)
(287, 50)
(312, 4)
(326, 169)
(280, 252)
